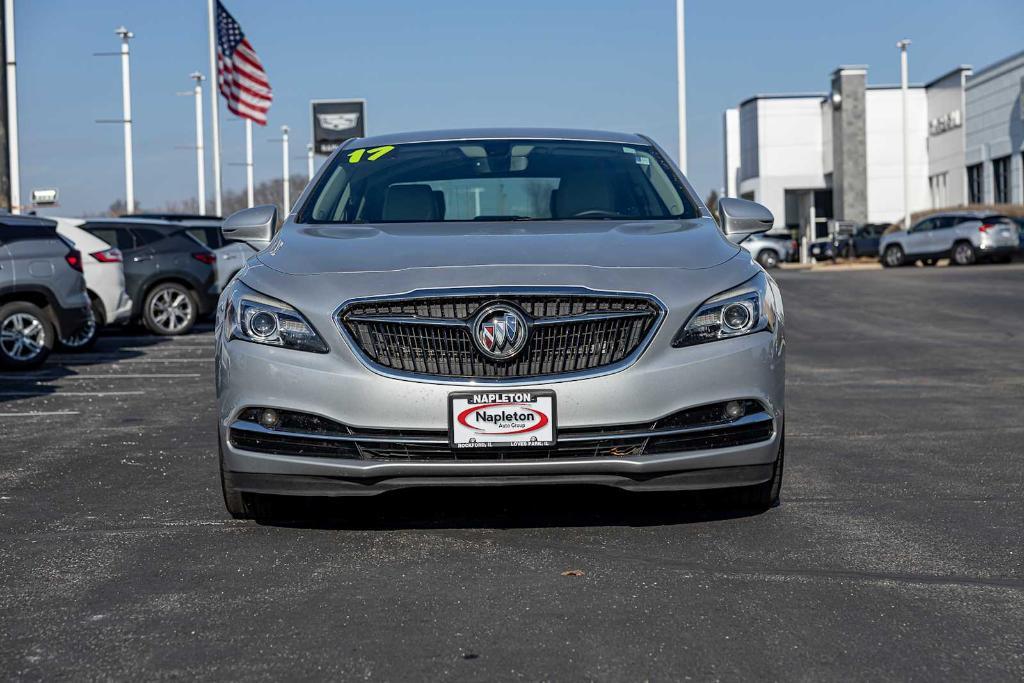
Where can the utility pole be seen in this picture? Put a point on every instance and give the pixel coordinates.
(200, 152)
(309, 161)
(284, 172)
(12, 169)
(681, 76)
(902, 45)
(126, 103)
(248, 164)
(218, 206)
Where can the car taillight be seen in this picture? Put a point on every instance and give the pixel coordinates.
(74, 259)
(985, 227)
(204, 257)
(112, 255)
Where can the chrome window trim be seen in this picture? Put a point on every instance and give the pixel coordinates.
(498, 292)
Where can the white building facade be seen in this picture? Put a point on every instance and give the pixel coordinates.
(838, 156)
(994, 100)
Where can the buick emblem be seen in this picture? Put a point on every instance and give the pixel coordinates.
(500, 331)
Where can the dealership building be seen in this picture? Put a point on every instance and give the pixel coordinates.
(816, 158)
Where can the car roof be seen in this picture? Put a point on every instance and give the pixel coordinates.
(83, 239)
(175, 217)
(501, 134)
(963, 213)
(16, 221)
(168, 226)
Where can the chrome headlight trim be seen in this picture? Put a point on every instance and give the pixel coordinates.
(285, 327)
(708, 323)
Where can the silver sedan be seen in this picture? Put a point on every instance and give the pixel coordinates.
(499, 307)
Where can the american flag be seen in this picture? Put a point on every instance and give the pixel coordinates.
(240, 75)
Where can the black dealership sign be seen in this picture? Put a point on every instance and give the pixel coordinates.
(335, 121)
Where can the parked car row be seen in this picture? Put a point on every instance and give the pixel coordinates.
(63, 279)
(964, 237)
(863, 241)
(771, 250)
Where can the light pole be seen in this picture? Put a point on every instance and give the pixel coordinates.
(681, 76)
(902, 45)
(285, 172)
(126, 103)
(200, 152)
(309, 161)
(12, 108)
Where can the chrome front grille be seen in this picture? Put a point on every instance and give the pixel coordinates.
(569, 332)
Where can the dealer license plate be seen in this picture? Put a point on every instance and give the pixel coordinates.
(505, 419)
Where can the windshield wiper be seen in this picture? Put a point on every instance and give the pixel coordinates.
(498, 219)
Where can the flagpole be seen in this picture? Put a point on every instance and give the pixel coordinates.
(12, 109)
(285, 172)
(309, 161)
(214, 110)
(248, 162)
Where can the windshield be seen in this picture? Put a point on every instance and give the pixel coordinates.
(496, 180)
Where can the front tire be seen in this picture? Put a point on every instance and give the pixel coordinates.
(169, 310)
(893, 256)
(964, 254)
(761, 497)
(768, 258)
(26, 336)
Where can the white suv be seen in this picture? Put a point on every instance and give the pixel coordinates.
(104, 280)
(962, 236)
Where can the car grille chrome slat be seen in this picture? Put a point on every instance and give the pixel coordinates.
(432, 335)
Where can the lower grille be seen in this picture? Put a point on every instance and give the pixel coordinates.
(691, 430)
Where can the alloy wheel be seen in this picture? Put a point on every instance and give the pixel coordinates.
(171, 310)
(82, 337)
(769, 259)
(22, 337)
(963, 254)
(893, 257)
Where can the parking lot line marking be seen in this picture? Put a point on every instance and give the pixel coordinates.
(29, 394)
(136, 360)
(108, 375)
(40, 413)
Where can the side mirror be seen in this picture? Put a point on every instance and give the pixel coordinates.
(253, 226)
(741, 218)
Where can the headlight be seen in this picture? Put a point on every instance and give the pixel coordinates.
(257, 318)
(743, 310)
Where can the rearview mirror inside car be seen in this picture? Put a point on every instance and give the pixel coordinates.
(254, 226)
(741, 218)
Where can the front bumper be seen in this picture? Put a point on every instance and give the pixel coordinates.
(344, 390)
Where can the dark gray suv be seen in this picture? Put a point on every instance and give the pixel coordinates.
(169, 275)
(42, 290)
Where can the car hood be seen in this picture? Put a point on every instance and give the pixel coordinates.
(301, 249)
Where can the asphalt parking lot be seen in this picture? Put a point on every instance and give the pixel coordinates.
(897, 552)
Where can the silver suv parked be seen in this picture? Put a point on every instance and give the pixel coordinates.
(962, 236)
(42, 290)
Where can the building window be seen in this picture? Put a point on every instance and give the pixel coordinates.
(938, 184)
(1001, 180)
(974, 184)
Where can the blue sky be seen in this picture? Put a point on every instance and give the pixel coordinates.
(451, 63)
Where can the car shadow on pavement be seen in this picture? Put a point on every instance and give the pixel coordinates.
(117, 345)
(505, 508)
